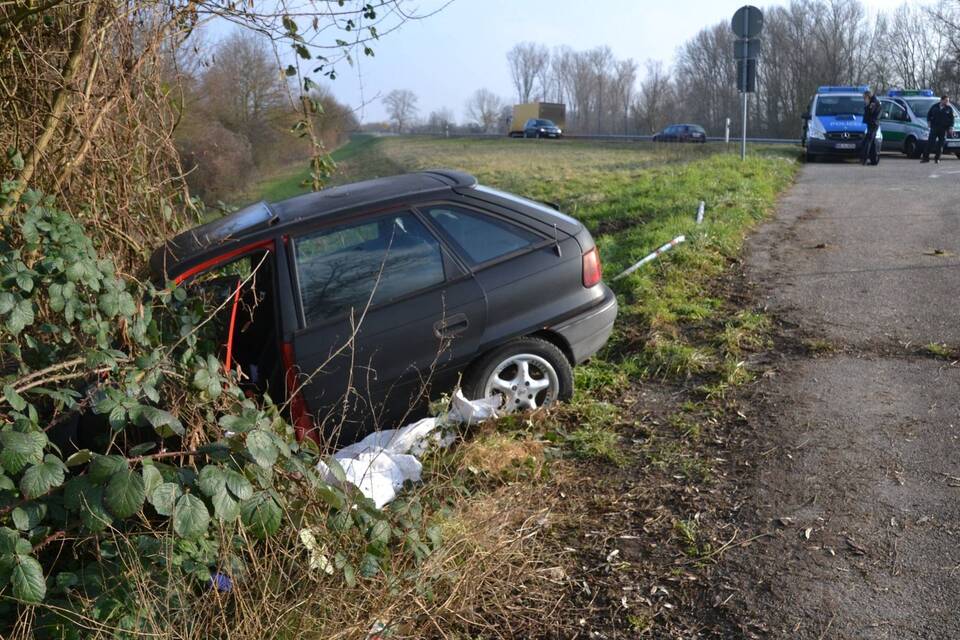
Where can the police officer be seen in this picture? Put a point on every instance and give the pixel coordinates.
(871, 118)
(940, 118)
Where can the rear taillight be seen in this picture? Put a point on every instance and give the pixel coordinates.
(592, 271)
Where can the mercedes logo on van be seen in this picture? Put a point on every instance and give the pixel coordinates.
(846, 135)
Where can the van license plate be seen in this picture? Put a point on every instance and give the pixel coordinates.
(954, 143)
(846, 145)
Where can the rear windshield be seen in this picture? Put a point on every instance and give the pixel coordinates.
(839, 105)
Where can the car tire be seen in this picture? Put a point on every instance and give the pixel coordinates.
(811, 157)
(910, 147)
(499, 372)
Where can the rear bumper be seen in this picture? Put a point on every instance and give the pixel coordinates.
(587, 332)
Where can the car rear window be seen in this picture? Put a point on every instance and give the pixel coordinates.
(344, 268)
(480, 237)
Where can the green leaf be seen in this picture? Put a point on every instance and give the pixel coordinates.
(6, 484)
(163, 422)
(164, 497)
(142, 448)
(115, 301)
(331, 496)
(238, 485)
(24, 281)
(20, 317)
(29, 515)
(207, 378)
(27, 579)
(93, 514)
(212, 480)
(261, 448)
(261, 515)
(13, 398)
(125, 493)
(225, 506)
(8, 540)
(334, 465)
(350, 575)
(7, 302)
(20, 449)
(238, 424)
(369, 565)
(80, 457)
(152, 478)
(41, 478)
(190, 516)
(104, 467)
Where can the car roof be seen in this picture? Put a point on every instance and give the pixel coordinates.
(251, 220)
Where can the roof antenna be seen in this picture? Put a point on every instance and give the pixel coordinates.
(556, 241)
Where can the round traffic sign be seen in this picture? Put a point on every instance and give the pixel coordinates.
(747, 22)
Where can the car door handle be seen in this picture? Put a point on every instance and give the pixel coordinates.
(452, 326)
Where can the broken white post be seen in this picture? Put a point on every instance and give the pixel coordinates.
(652, 256)
(700, 212)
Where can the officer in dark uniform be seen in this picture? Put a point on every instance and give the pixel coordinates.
(940, 118)
(871, 118)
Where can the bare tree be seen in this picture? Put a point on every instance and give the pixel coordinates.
(651, 105)
(401, 107)
(484, 108)
(624, 81)
(527, 59)
(243, 81)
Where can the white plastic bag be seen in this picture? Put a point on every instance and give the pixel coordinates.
(379, 464)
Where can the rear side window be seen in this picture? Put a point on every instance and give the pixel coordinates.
(479, 237)
(376, 261)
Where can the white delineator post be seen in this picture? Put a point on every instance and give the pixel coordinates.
(652, 256)
(700, 212)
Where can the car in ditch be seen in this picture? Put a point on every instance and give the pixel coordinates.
(358, 304)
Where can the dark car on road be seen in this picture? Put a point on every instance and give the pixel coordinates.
(359, 303)
(681, 133)
(540, 128)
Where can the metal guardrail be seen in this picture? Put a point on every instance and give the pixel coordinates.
(599, 137)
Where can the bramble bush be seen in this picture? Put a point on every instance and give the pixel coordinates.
(170, 474)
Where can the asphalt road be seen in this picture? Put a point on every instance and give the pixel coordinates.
(856, 482)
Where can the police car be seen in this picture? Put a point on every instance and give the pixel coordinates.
(834, 123)
(904, 122)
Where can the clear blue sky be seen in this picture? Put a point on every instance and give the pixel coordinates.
(444, 58)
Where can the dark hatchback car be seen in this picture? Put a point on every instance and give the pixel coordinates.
(681, 133)
(359, 303)
(540, 128)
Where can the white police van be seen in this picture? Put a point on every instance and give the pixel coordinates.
(834, 123)
(904, 122)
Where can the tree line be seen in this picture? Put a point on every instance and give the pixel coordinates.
(804, 44)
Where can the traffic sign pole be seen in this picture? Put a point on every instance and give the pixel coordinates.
(747, 24)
